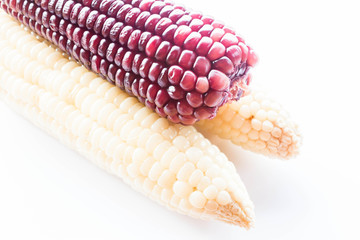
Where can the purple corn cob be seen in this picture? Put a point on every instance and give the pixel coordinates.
(182, 64)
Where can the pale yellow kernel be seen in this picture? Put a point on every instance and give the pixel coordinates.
(204, 183)
(149, 120)
(170, 133)
(196, 177)
(160, 150)
(143, 137)
(256, 124)
(213, 172)
(266, 104)
(120, 122)
(112, 117)
(211, 192)
(185, 171)
(95, 108)
(160, 125)
(219, 183)
(197, 199)
(147, 165)
(267, 126)
(168, 156)
(276, 132)
(261, 115)
(156, 171)
(253, 134)
(133, 170)
(96, 136)
(134, 135)
(105, 113)
(228, 115)
(167, 179)
(237, 122)
(129, 151)
(182, 189)
(139, 155)
(181, 143)
(204, 163)
(178, 162)
(185, 205)
(254, 108)
(211, 205)
(245, 111)
(69, 66)
(194, 154)
(193, 137)
(186, 131)
(175, 201)
(166, 195)
(223, 198)
(154, 140)
(105, 139)
(274, 142)
(148, 185)
(246, 127)
(111, 147)
(141, 114)
(127, 128)
(251, 144)
(265, 136)
(139, 182)
(272, 115)
(260, 145)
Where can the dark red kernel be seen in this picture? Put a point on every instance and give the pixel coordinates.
(90, 21)
(156, 7)
(125, 34)
(218, 80)
(194, 99)
(229, 40)
(187, 59)
(152, 91)
(114, 8)
(202, 85)
(145, 67)
(173, 55)
(181, 34)
(136, 63)
(175, 92)
(162, 51)
(175, 74)
(170, 108)
(120, 16)
(127, 61)
(162, 98)
(205, 113)
(58, 7)
(206, 30)
(144, 38)
(103, 45)
(168, 34)
(151, 22)
(111, 52)
(132, 15)
(154, 71)
(204, 46)
(99, 23)
(162, 25)
(202, 66)
(143, 86)
(141, 19)
(163, 80)
(213, 98)
(83, 15)
(134, 40)
(216, 51)
(152, 46)
(94, 43)
(74, 13)
(108, 24)
(115, 31)
(146, 4)
(119, 56)
(184, 108)
(224, 65)
(234, 54)
(217, 34)
(105, 5)
(188, 81)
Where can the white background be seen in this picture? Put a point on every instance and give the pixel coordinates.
(310, 61)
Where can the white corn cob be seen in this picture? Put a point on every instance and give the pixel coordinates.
(174, 165)
(256, 123)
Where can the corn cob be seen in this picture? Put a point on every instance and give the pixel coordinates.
(182, 64)
(172, 164)
(256, 123)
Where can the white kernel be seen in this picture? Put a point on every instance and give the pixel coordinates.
(204, 183)
(246, 127)
(245, 111)
(267, 126)
(213, 172)
(254, 107)
(186, 171)
(139, 155)
(127, 128)
(143, 137)
(211, 206)
(166, 195)
(211, 192)
(105, 113)
(153, 142)
(194, 154)
(265, 136)
(182, 189)
(166, 179)
(133, 170)
(256, 124)
(160, 150)
(196, 177)
(181, 143)
(148, 185)
(168, 156)
(219, 183)
(276, 132)
(204, 163)
(177, 163)
(149, 120)
(185, 205)
(223, 198)
(160, 125)
(261, 115)
(197, 199)
(237, 122)
(253, 134)
(260, 145)
(155, 171)
(147, 165)
(272, 115)
(175, 201)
